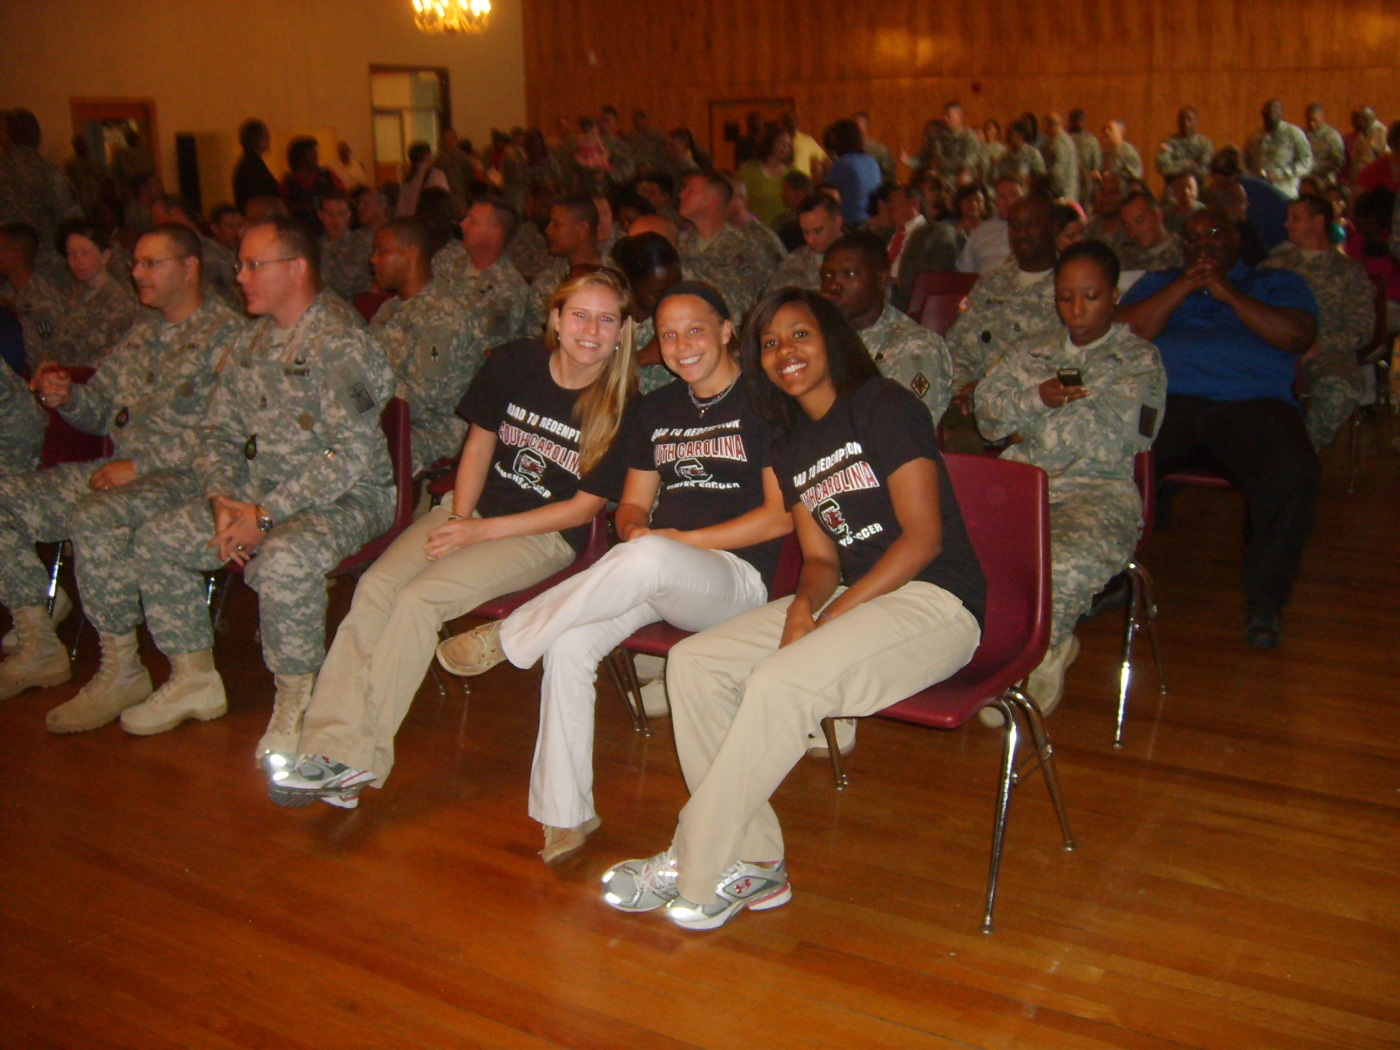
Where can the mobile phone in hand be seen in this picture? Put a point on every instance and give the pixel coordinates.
(1070, 376)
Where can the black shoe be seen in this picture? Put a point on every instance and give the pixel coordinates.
(1265, 629)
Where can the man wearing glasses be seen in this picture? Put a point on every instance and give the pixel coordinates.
(294, 475)
(1230, 336)
(147, 395)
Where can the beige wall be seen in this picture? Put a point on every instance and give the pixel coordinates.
(210, 63)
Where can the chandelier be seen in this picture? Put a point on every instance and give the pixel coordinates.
(451, 16)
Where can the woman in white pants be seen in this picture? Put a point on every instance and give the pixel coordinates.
(700, 519)
(890, 601)
(538, 464)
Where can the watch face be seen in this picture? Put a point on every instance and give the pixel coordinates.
(265, 523)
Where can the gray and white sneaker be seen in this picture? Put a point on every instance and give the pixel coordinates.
(742, 885)
(644, 884)
(318, 777)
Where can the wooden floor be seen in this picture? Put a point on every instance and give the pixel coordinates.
(1235, 884)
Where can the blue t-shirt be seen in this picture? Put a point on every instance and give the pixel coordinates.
(857, 176)
(1208, 351)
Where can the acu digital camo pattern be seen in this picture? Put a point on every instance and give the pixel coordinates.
(913, 356)
(1001, 309)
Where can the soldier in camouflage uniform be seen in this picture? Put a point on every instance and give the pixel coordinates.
(572, 235)
(1147, 244)
(856, 277)
(344, 252)
(1061, 157)
(1013, 300)
(1119, 155)
(27, 293)
(954, 145)
(295, 476)
(1329, 152)
(1278, 153)
(479, 271)
(1188, 152)
(218, 264)
(33, 190)
(97, 307)
(765, 241)
(22, 425)
(1346, 301)
(714, 250)
(1090, 155)
(148, 395)
(821, 222)
(433, 344)
(1083, 435)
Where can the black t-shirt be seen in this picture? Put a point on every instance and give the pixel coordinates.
(711, 464)
(536, 459)
(837, 467)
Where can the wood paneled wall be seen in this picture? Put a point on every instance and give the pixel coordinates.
(900, 59)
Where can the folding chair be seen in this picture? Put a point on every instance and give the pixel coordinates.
(656, 639)
(951, 286)
(1141, 610)
(1005, 507)
(64, 443)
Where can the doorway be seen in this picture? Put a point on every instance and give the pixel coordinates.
(408, 104)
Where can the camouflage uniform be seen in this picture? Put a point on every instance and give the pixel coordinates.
(649, 377)
(1123, 160)
(40, 309)
(345, 263)
(148, 395)
(957, 151)
(1062, 162)
(1166, 256)
(1280, 157)
(801, 268)
(435, 348)
(293, 425)
(764, 240)
(1087, 448)
(527, 250)
(22, 425)
(550, 276)
(1003, 306)
(1346, 301)
(1025, 162)
(913, 356)
(495, 296)
(731, 261)
(1329, 153)
(1181, 156)
(93, 320)
(1090, 161)
(35, 191)
(219, 272)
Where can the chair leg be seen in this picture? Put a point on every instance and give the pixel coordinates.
(1149, 613)
(1125, 664)
(54, 568)
(1005, 785)
(1045, 753)
(216, 593)
(838, 765)
(624, 675)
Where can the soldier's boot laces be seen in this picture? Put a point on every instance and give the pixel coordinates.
(122, 681)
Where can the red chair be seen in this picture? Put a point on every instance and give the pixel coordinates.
(368, 303)
(951, 284)
(64, 443)
(1141, 610)
(941, 310)
(1005, 507)
(656, 639)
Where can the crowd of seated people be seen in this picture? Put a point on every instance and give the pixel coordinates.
(602, 317)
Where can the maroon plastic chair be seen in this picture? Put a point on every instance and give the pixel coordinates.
(656, 639)
(501, 607)
(1005, 507)
(368, 303)
(1141, 610)
(941, 310)
(952, 284)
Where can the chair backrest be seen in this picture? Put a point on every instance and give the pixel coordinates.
(938, 282)
(940, 310)
(1006, 509)
(66, 444)
(395, 420)
(788, 569)
(1145, 478)
(599, 539)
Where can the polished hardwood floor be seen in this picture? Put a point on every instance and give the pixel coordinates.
(1234, 886)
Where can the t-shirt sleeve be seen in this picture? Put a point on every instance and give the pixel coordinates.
(1148, 284)
(896, 428)
(487, 395)
(781, 462)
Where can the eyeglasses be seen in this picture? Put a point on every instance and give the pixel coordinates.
(254, 265)
(151, 264)
(1210, 233)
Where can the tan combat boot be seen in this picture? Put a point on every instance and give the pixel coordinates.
(62, 609)
(39, 659)
(121, 682)
(193, 690)
(278, 747)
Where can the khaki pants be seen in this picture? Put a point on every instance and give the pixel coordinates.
(386, 641)
(742, 709)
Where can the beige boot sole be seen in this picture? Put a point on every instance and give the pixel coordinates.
(38, 681)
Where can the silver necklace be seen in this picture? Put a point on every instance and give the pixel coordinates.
(704, 406)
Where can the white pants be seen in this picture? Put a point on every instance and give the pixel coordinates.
(742, 709)
(576, 624)
(386, 641)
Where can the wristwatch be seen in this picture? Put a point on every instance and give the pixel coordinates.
(264, 520)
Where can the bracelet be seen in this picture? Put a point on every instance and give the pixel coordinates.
(454, 517)
(824, 615)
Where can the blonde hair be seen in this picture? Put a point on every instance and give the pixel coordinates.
(598, 410)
